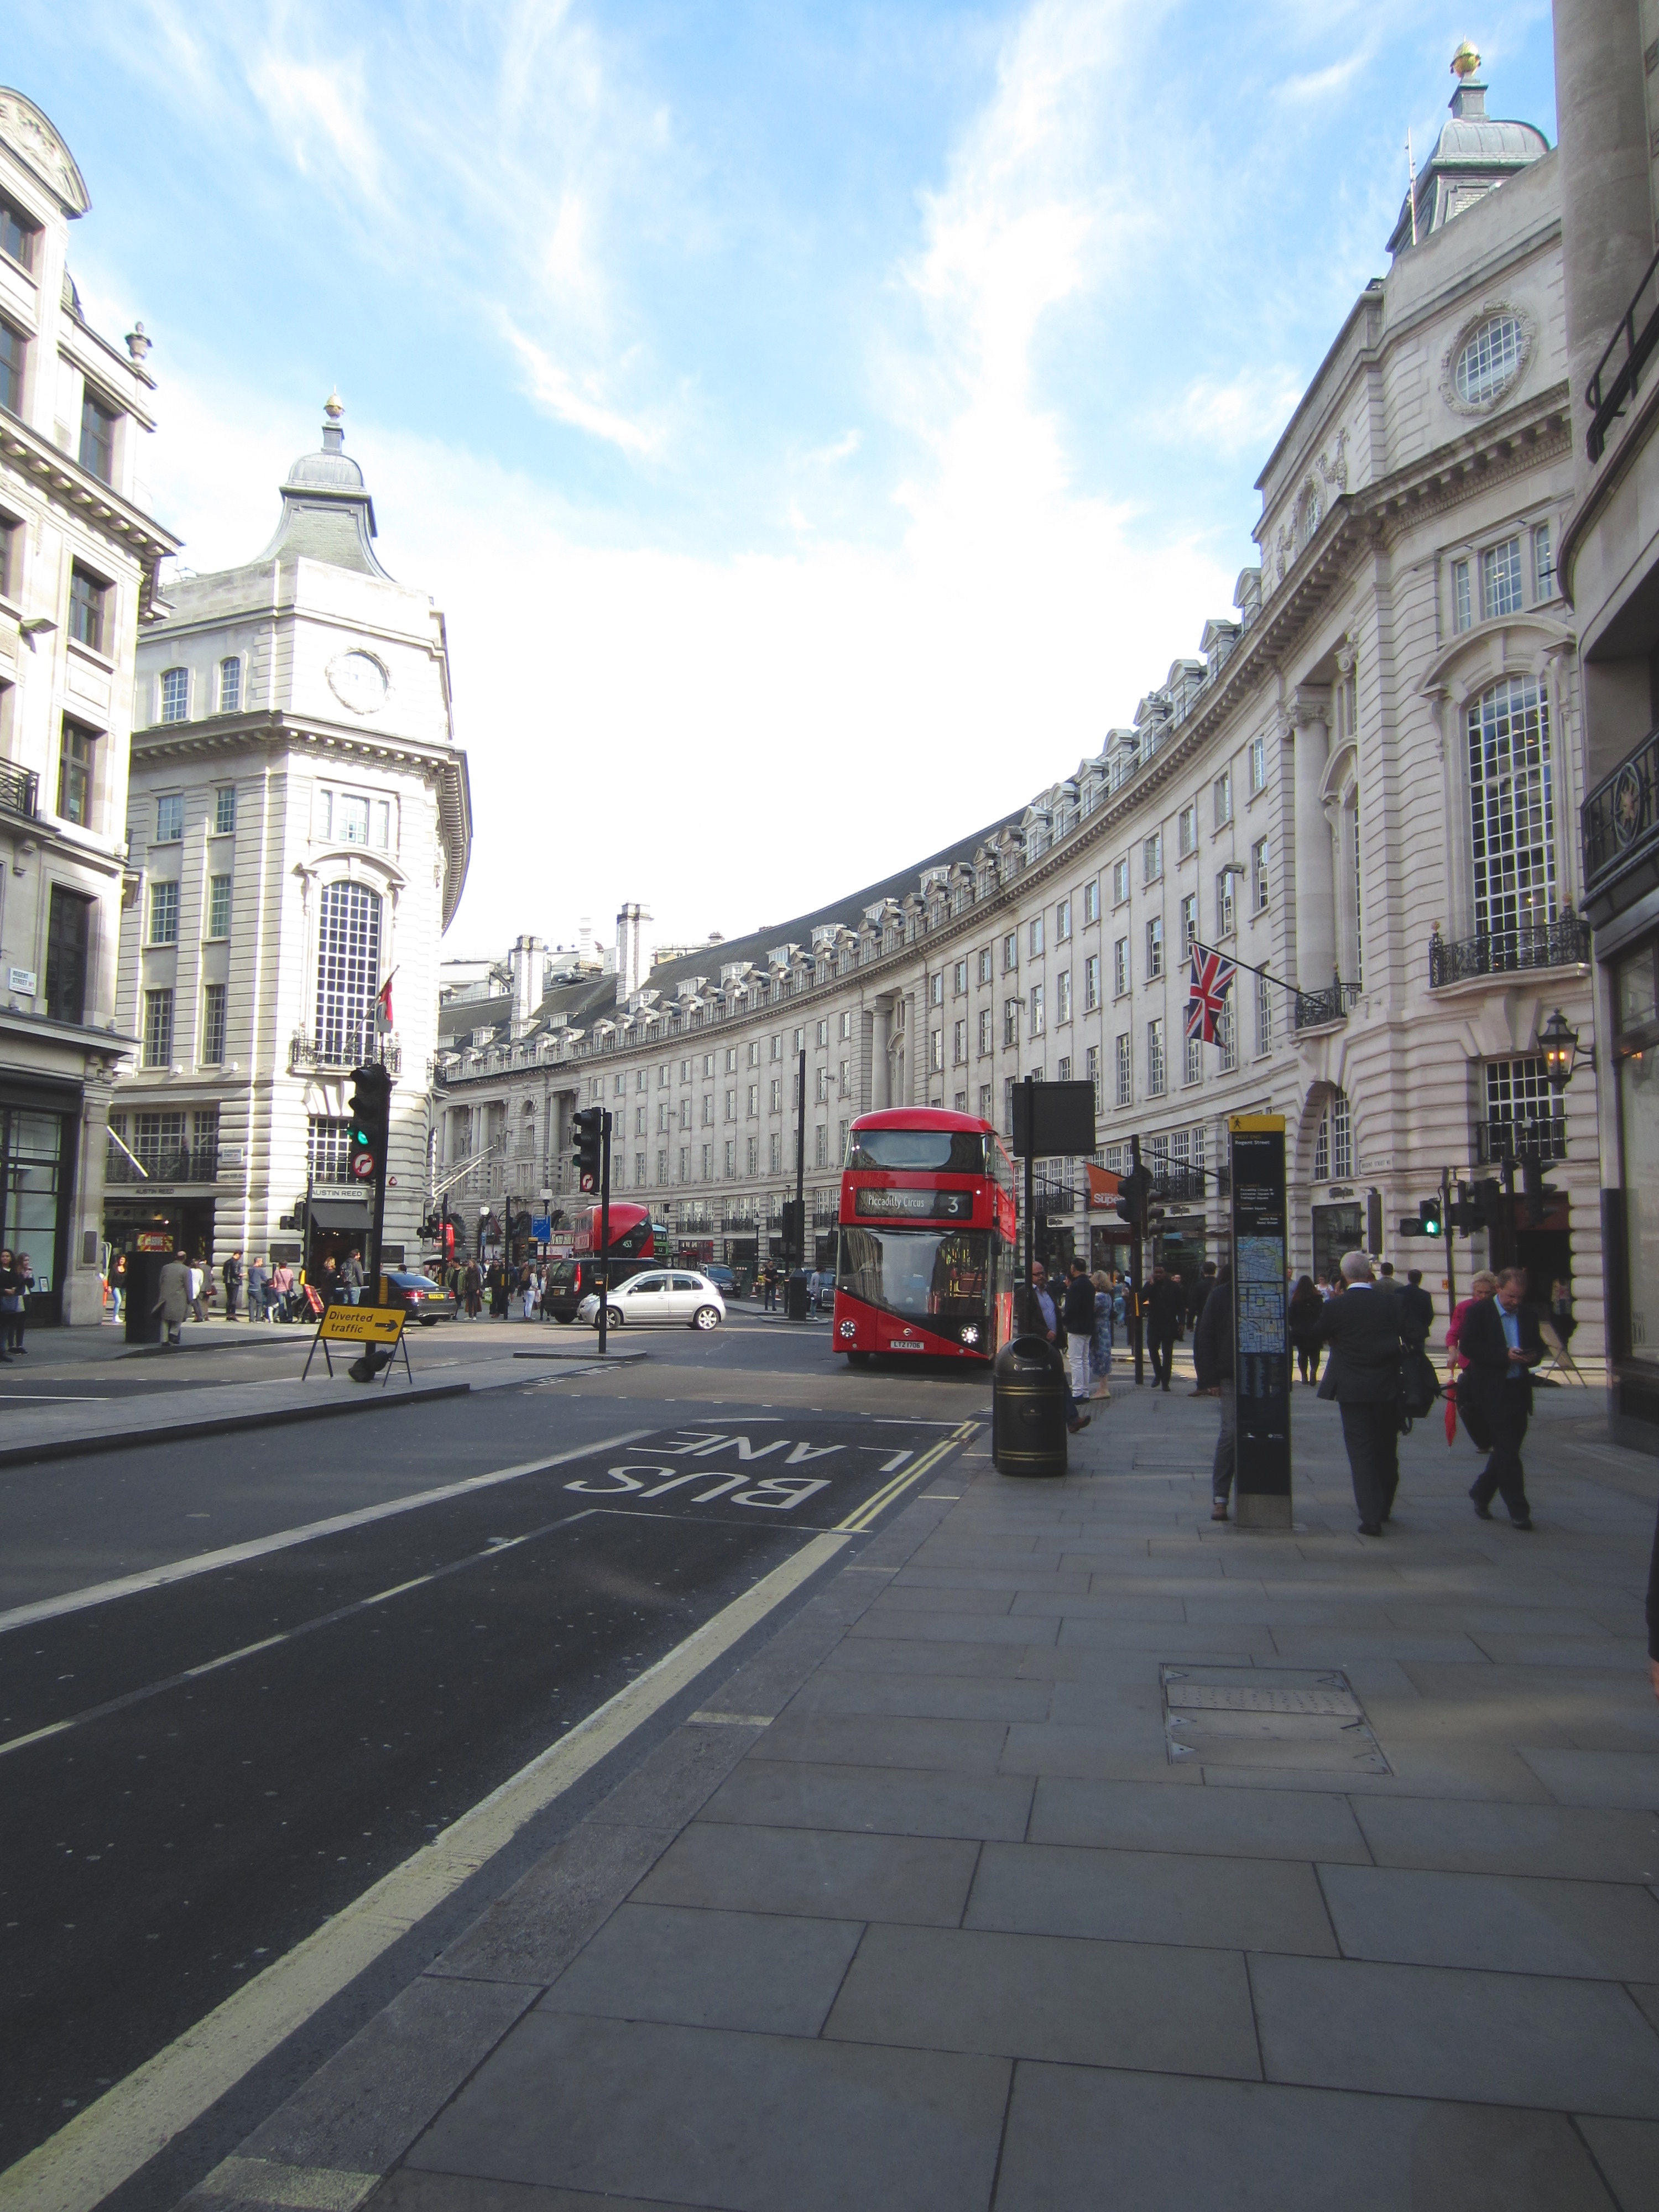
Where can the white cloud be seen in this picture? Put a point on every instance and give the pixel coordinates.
(553, 388)
(320, 111)
(1245, 411)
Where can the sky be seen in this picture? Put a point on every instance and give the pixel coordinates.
(820, 425)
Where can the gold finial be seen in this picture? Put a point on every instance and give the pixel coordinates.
(1465, 61)
(334, 406)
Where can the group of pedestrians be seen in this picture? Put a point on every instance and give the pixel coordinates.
(1078, 1316)
(16, 1281)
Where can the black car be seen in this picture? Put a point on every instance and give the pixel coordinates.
(421, 1299)
(723, 1279)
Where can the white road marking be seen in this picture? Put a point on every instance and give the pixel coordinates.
(103, 2146)
(53, 1398)
(893, 1465)
(257, 1547)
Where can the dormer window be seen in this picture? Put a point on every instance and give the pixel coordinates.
(20, 237)
(97, 439)
(175, 695)
(13, 349)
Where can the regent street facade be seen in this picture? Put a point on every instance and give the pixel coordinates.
(1365, 782)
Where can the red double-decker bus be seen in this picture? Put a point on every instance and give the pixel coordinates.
(927, 1243)
(633, 1248)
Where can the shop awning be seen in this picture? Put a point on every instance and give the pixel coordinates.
(339, 1213)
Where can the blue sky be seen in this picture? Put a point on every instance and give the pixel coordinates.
(820, 425)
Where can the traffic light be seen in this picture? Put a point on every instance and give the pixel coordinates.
(1489, 1206)
(1428, 1215)
(370, 1117)
(795, 1229)
(1542, 1196)
(587, 1127)
(1462, 1214)
(1133, 1190)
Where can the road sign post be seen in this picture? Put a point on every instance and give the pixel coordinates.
(1261, 1344)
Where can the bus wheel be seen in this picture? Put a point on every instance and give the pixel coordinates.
(858, 1359)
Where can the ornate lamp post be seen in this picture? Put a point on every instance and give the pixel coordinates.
(1560, 1044)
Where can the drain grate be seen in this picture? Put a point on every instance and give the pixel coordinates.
(1267, 1716)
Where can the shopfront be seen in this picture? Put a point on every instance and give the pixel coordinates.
(1633, 1208)
(38, 1129)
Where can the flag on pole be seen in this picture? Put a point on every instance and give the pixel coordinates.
(1211, 980)
(383, 1003)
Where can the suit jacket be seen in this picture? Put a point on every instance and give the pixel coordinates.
(1367, 1331)
(1166, 1303)
(1212, 1339)
(1419, 1304)
(1486, 1383)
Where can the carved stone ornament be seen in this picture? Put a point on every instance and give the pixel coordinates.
(1335, 472)
(1484, 314)
(358, 681)
(33, 139)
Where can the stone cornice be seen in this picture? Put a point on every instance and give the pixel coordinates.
(145, 538)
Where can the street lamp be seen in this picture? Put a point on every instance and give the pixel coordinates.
(1560, 1044)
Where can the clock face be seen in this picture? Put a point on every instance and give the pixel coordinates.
(358, 681)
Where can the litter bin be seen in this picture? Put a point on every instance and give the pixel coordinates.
(796, 1298)
(1030, 1407)
(143, 1276)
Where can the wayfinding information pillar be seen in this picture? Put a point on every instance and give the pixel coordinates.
(1261, 1344)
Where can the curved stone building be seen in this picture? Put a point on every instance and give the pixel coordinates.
(1363, 784)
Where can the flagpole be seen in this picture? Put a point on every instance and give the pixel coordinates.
(1294, 993)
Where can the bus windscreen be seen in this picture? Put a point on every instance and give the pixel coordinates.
(952, 1151)
(918, 1272)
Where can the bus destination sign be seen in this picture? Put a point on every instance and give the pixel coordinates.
(914, 1204)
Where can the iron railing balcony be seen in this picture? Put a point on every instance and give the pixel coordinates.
(1530, 1137)
(1317, 1009)
(1561, 942)
(1612, 387)
(356, 1050)
(1618, 824)
(169, 1163)
(20, 790)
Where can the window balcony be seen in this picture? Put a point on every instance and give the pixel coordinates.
(1538, 1137)
(1563, 942)
(1619, 825)
(1612, 387)
(169, 1163)
(305, 1054)
(20, 790)
(1319, 1010)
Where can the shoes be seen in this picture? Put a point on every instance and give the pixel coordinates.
(1081, 1422)
(1525, 1527)
(1370, 1527)
(1482, 1512)
(1218, 1509)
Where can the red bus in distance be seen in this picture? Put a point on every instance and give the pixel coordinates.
(927, 1237)
(633, 1248)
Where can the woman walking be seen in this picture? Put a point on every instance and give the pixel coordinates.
(1100, 1345)
(1306, 1306)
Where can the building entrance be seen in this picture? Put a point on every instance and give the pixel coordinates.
(1336, 1230)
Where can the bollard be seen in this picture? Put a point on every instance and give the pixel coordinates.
(1030, 1407)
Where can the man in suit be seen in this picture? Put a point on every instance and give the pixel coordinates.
(1418, 1302)
(1368, 1330)
(1501, 1342)
(1166, 1303)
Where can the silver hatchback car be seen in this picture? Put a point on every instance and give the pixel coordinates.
(662, 1297)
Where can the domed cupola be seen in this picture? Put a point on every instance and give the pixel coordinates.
(1473, 155)
(327, 513)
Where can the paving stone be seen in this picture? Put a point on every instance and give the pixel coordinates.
(1597, 1778)
(872, 1800)
(1151, 1896)
(1241, 1823)
(1042, 1997)
(924, 1697)
(896, 1599)
(666, 1790)
(1105, 1749)
(877, 1655)
(1027, 1576)
(408, 2190)
(759, 1971)
(1588, 1929)
(883, 1740)
(1575, 1843)
(958, 1627)
(756, 2124)
(834, 1874)
(1101, 1605)
(1148, 2142)
(1420, 2030)
(533, 1932)
(1173, 1640)
(1627, 2151)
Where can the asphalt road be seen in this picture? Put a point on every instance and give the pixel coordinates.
(193, 1776)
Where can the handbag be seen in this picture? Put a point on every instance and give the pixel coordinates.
(1419, 1387)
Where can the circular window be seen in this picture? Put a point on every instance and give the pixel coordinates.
(1490, 361)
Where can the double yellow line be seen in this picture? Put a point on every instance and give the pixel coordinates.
(865, 1515)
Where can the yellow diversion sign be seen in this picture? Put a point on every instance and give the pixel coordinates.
(362, 1325)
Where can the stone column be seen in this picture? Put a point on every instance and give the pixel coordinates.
(882, 1066)
(1315, 902)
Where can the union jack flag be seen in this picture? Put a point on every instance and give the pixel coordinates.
(1210, 981)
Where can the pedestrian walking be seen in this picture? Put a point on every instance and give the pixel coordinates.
(472, 1290)
(351, 1278)
(118, 1284)
(231, 1275)
(1164, 1302)
(498, 1291)
(1418, 1302)
(1305, 1308)
(1079, 1311)
(173, 1297)
(1653, 1612)
(1368, 1330)
(1200, 1291)
(282, 1291)
(259, 1288)
(16, 1281)
(1046, 1321)
(1100, 1343)
(1500, 1341)
(1212, 1361)
(529, 1294)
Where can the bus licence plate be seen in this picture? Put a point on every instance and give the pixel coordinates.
(904, 1344)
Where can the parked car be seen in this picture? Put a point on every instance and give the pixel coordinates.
(663, 1296)
(421, 1299)
(723, 1279)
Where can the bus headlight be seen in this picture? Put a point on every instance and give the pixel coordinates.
(970, 1334)
(847, 1329)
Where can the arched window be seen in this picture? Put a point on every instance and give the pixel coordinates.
(347, 971)
(1333, 1145)
(1511, 815)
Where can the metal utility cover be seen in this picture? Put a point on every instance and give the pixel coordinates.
(1267, 1716)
